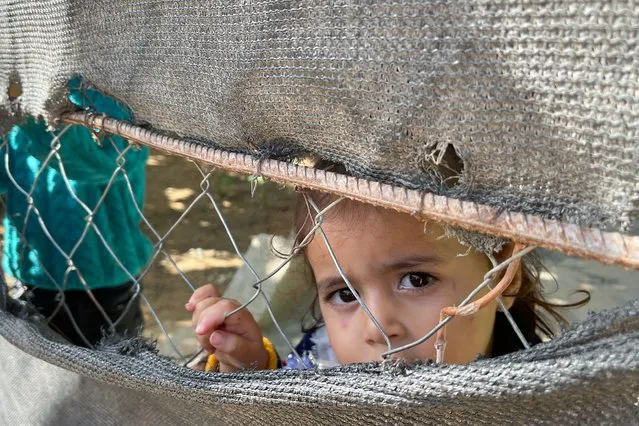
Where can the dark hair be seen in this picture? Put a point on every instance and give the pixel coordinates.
(534, 315)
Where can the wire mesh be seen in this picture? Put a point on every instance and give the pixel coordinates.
(206, 194)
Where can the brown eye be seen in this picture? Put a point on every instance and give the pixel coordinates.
(415, 280)
(343, 296)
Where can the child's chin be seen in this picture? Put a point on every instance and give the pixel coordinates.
(402, 357)
(405, 358)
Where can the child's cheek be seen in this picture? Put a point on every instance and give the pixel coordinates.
(340, 338)
(342, 325)
(469, 337)
(336, 317)
(335, 320)
(344, 321)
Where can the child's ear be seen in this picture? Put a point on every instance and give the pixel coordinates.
(508, 297)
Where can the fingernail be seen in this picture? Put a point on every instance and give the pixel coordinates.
(199, 329)
(216, 339)
(188, 306)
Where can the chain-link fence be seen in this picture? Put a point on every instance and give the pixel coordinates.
(55, 168)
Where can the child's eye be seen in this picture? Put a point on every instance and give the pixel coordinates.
(415, 280)
(342, 296)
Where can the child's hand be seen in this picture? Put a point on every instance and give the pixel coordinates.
(236, 341)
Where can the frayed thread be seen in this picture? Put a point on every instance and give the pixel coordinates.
(128, 346)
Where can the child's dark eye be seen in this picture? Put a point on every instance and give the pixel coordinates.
(342, 296)
(415, 280)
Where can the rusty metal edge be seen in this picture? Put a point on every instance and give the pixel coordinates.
(590, 243)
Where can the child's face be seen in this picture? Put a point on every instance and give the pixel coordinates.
(405, 277)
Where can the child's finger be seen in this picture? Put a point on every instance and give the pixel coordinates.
(242, 323)
(211, 313)
(201, 308)
(235, 352)
(207, 290)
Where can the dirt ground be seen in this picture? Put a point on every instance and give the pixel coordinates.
(200, 245)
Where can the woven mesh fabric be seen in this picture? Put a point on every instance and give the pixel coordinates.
(539, 100)
(588, 375)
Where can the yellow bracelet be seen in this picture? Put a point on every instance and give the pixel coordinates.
(272, 355)
(212, 363)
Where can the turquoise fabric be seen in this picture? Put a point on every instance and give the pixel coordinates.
(90, 169)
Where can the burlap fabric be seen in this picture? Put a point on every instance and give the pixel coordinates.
(523, 105)
(588, 375)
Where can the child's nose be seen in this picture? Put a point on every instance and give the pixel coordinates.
(388, 319)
